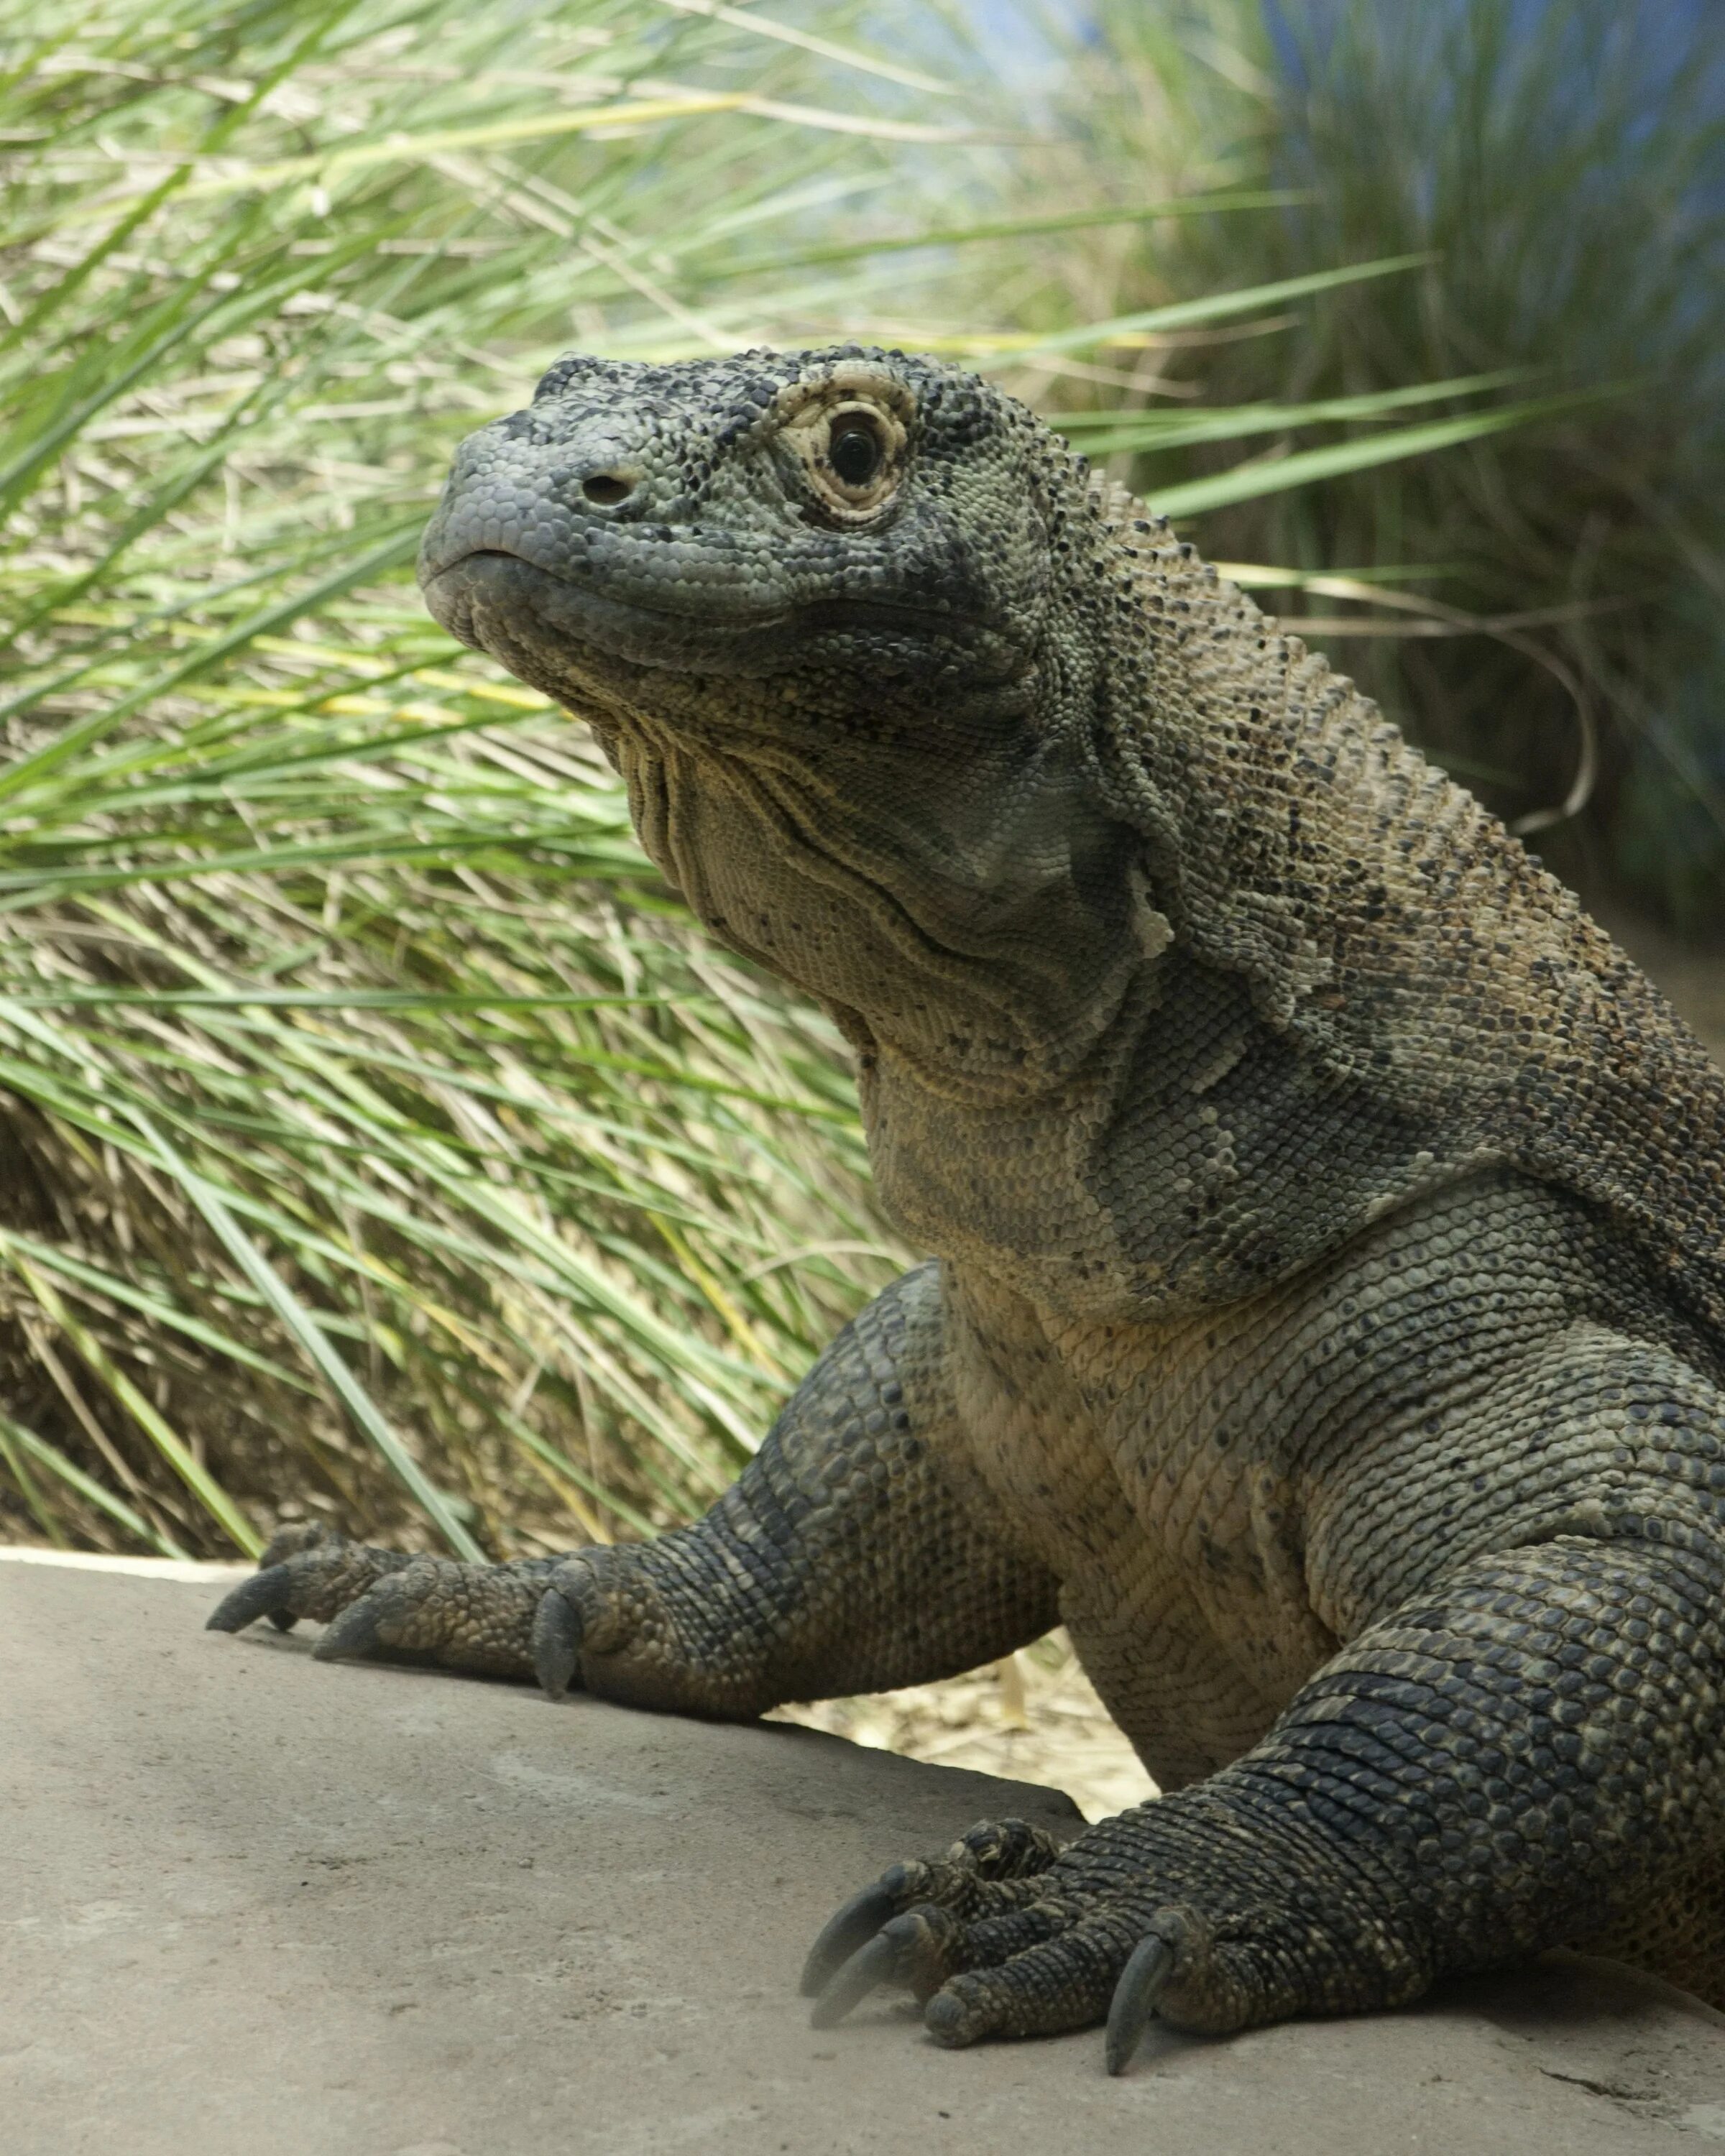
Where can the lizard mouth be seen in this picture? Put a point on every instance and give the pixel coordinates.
(492, 597)
(544, 626)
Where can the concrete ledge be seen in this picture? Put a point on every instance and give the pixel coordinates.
(141, 1567)
(260, 1907)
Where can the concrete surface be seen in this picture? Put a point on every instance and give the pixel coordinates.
(260, 1907)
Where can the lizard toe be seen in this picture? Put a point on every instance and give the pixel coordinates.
(476, 1617)
(990, 1868)
(915, 1949)
(390, 1604)
(382, 1620)
(267, 1593)
(303, 1571)
(1062, 1983)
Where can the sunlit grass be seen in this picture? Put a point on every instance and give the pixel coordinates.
(377, 1125)
(378, 1132)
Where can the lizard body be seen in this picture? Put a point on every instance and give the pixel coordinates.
(1326, 1320)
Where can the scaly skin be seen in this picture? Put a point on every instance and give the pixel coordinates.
(1328, 1316)
(810, 1575)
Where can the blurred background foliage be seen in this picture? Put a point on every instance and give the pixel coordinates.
(381, 1141)
(1561, 166)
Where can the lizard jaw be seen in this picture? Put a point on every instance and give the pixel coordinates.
(541, 624)
(468, 595)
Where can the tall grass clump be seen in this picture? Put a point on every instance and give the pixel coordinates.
(379, 1137)
(375, 1128)
(1542, 607)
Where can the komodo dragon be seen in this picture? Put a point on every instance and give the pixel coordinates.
(1327, 1321)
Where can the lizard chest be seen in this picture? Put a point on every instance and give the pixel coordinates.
(1126, 1457)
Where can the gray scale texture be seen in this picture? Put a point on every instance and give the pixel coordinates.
(1326, 1316)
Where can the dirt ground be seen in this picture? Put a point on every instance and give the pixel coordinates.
(1031, 1719)
(1035, 1717)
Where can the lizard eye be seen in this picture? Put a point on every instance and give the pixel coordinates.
(851, 438)
(855, 448)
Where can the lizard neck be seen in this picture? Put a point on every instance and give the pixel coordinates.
(1277, 808)
(976, 921)
(1244, 1109)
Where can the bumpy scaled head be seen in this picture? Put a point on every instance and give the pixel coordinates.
(852, 530)
(833, 614)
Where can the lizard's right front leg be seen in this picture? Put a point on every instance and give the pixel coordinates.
(846, 1557)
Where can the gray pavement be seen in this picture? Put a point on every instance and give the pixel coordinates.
(254, 1906)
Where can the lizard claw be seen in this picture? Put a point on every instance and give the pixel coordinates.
(849, 1930)
(870, 1966)
(357, 1630)
(912, 1923)
(1141, 1983)
(917, 1948)
(557, 1643)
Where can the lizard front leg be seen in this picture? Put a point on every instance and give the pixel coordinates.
(1515, 1759)
(844, 1558)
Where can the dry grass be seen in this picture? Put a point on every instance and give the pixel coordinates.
(1035, 1717)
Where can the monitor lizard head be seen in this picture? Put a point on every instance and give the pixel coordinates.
(847, 529)
(835, 615)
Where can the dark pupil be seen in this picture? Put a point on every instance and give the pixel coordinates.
(855, 452)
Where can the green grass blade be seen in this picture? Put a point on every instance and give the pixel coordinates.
(1214, 307)
(1245, 482)
(312, 1338)
(87, 1487)
(168, 1441)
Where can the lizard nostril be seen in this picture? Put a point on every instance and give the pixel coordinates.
(608, 488)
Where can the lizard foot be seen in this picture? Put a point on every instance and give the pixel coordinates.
(390, 1606)
(1173, 1908)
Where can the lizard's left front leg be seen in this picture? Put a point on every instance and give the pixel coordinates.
(1506, 1762)
(852, 1554)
